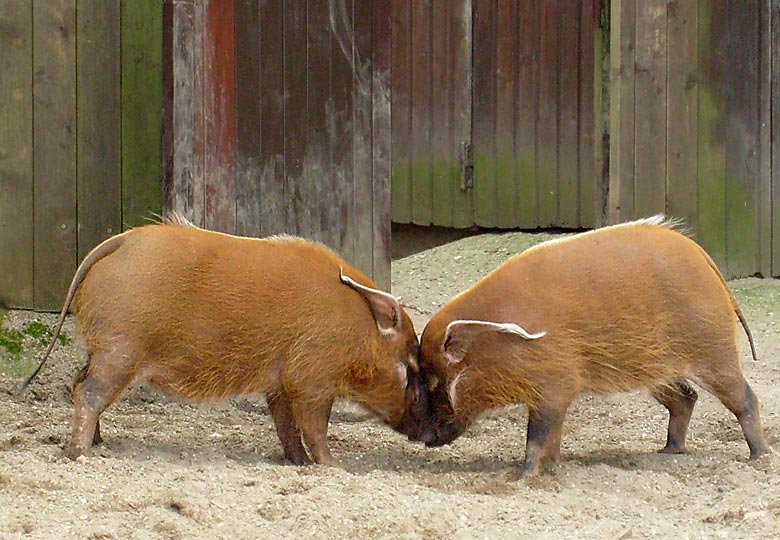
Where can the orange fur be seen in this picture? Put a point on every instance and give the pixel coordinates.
(203, 316)
(628, 306)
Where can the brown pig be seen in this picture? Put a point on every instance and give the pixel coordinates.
(622, 307)
(203, 316)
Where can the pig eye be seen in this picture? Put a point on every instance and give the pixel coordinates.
(433, 382)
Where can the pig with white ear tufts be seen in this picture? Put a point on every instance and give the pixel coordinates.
(623, 307)
(205, 316)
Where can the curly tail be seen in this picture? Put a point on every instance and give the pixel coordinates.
(103, 250)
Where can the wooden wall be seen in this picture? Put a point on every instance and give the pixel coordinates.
(495, 113)
(79, 138)
(278, 121)
(690, 124)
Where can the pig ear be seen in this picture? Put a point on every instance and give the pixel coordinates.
(461, 334)
(384, 306)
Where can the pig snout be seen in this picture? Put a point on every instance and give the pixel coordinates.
(416, 423)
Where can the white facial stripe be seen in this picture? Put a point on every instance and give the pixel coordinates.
(452, 390)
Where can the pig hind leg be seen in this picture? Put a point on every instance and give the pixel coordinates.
(725, 380)
(96, 387)
(281, 409)
(737, 396)
(679, 398)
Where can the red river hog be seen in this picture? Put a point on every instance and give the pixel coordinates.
(205, 316)
(622, 307)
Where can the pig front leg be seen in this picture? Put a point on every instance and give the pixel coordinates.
(543, 440)
(312, 416)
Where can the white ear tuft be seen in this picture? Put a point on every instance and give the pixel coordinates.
(384, 306)
(460, 335)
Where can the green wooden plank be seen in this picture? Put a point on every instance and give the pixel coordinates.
(682, 125)
(141, 31)
(741, 82)
(16, 172)
(711, 232)
(98, 120)
(54, 140)
(650, 108)
(773, 41)
(401, 175)
(764, 187)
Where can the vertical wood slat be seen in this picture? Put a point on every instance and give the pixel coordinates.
(711, 148)
(318, 172)
(98, 123)
(650, 108)
(401, 184)
(443, 173)
(295, 116)
(484, 122)
(54, 158)
(549, 115)
(741, 88)
(570, 118)
(381, 53)
(622, 127)
(526, 119)
(341, 148)
(272, 107)
(362, 110)
(461, 32)
(772, 37)
(248, 97)
(591, 185)
(142, 103)
(506, 190)
(219, 115)
(16, 149)
(764, 185)
(421, 130)
(682, 103)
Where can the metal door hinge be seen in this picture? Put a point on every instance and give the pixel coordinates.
(466, 166)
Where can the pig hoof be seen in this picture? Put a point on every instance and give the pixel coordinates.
(74, 453)
(759, 453)
(673, 449)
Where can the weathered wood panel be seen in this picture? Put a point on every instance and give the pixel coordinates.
(142, 103)
(54, 141)
(527, 69)
(98, 123)
(219, 119)
(16, 155)
(771, 86)
(689, 133)
(292, 131)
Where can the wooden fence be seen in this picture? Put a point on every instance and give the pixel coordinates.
(690, 124)
(80, 135)
(280, 121)
(496, 111)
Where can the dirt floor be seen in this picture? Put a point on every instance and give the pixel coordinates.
(169, 470)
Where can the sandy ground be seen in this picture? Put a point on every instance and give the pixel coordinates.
(169, 470)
